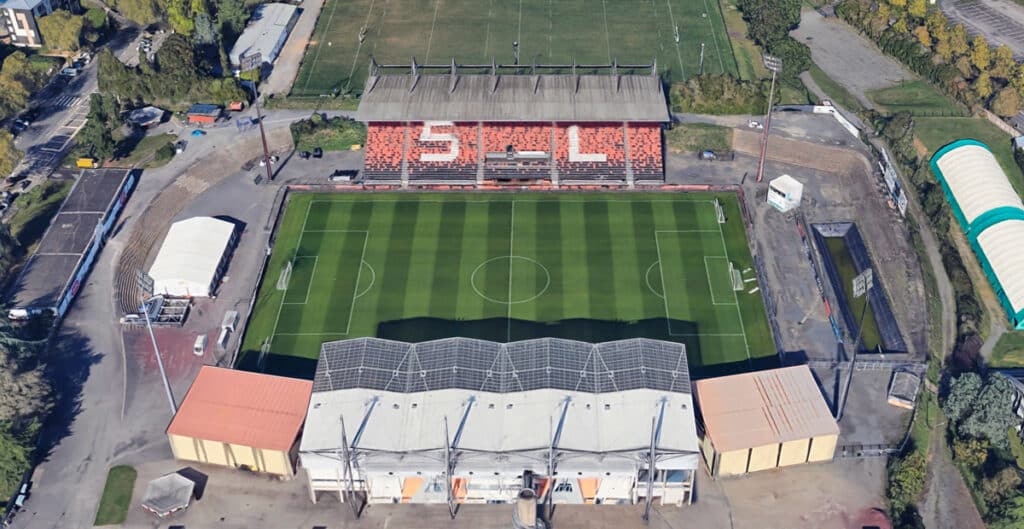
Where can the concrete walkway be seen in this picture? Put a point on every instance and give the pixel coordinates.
(286, 67)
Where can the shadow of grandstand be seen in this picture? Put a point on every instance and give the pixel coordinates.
(278, 364)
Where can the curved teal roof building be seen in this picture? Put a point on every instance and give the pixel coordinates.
(991, 214)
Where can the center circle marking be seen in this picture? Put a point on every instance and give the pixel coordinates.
(510, 259)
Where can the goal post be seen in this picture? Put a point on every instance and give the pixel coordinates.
(736, 277)
(719, 212)
(286, 274)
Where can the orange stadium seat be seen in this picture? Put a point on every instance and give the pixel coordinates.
(522, 145)
(645, 152)
(384, 145)
(430, 150)
(595, 140)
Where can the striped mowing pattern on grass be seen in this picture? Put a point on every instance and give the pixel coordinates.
(504, 267)
(476, 31)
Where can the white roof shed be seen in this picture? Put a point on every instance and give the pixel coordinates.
(189, 262)
(266, 33)
(1001, 245)
(975, 180)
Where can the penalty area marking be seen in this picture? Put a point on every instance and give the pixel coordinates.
(647, 279)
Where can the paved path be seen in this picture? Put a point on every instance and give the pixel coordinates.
(286, 67)
(947, 502)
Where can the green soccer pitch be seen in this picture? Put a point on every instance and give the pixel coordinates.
(477, 31)
(591, 267)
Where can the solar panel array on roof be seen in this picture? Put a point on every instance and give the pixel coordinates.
(465, 363)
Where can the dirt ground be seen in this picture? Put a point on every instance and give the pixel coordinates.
(847, 57)
(947, 503)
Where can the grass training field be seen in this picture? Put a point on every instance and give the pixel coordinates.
(504, 267)
(475, 31)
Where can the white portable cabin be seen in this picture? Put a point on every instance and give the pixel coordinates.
(784, 193)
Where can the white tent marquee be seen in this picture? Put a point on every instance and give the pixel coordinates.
(192, 258)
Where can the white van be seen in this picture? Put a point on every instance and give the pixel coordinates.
(200, 347)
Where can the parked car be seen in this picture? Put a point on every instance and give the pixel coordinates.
(179, 146)
(304, 155)
(198, 133)
(318, 152)
(20, 125)
(24, 184)
(200, 346)
(69, 72)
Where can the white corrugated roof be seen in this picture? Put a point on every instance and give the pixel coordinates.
(1001, 244)
(188, 260)
(496, 422)
(976, 180)
(267, 28)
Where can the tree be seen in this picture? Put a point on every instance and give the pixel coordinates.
(963, 392)
(981, 54)
(232, 16)
(906, 481)
(1000, 486)
(958, 40)
(179, 16)
(205, 32)
(1017, 79)
(971, 453)
(983, 86)
(769, 20)
(992, 413)
(898, 4)
(1012, 435)
(98, 136)
(1010, 514)
(917, 8)
(140, 11)
(901, 25)
(1006, 103)
(61, 30)
(95, 24)
(1003, 63)
(9, 158)
(921, 32)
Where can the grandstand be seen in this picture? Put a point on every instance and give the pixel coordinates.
(461, 420)
(489, 124)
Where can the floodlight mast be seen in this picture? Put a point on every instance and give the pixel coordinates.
(251, 63)
(862, 285)
(145, 283)
(775, 65)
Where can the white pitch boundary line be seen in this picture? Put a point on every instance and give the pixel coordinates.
(607, 36)
(519, 30)
(711, 25)
(511, 256)
(320, 45)
(679, 56)
(487, 35)
(355, 288)
(309, 285)
(739, 313)
(485, 201)
(707, 270)
(298, 244)
(437, 7)
(355, 58)
(664, 286)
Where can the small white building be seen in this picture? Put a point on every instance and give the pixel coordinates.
(784, 193)
(266, 33)
(193, 258)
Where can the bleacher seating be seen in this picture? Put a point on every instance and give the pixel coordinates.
(599, 151)
(426, 157)
(514, 138)
(513, 151)
(384, 145)
(645, 152)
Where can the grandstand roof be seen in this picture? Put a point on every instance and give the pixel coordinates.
(765, 407)
(512, 98)
(478, 365)
(974, 180)
(190, 257)
(501, 398)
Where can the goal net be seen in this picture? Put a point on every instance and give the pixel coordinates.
(286, 274)
(719, 212)
(736, 277)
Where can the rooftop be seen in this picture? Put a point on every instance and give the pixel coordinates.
(764, 407)
(465, 94)
(268, 27)
(204, 109)
(243, 408)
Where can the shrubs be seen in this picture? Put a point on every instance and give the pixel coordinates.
(165, 152)
(334, 134)
(719, 94)
(906, 482)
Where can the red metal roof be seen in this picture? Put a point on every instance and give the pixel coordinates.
(243, 408)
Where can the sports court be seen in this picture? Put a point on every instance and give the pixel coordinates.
(592, 267)
(349, 32)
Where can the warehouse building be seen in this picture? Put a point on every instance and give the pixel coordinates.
(54, 273)
(241, 419)
(193, 258)
(991, 215)
(266, 33)
(461, 420)
(763, 420)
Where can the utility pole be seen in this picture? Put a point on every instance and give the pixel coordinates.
(775, 65)
(701, 58)
(250, 63)
(145, 283)
(515, 52)
(862, 285)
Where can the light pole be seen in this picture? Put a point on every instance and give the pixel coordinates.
(862, 285)
(515, 52)
(775, 65)
(251, 63)
(146, 286)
